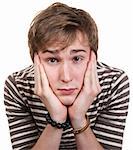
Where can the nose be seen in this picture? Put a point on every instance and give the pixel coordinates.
(65, 73)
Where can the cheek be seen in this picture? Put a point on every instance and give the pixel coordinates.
(80, 73)
(51, 75)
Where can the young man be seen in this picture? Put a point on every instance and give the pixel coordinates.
(66, 99)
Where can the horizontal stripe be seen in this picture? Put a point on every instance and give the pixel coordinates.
(107, 114)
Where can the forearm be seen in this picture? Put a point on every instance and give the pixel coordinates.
(87, 140)
(50, 134)
(85, 137)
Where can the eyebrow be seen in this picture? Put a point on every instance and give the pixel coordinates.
(56, 51)
(73, 51)
(52, 51)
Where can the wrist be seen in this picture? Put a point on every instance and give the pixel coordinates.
(78, 122)
(59, 116)
(57, 124)
(81, 127)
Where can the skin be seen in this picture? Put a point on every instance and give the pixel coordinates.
(66, 81)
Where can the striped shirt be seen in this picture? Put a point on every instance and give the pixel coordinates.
(107, 114)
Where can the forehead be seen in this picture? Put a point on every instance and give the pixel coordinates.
(80, 40)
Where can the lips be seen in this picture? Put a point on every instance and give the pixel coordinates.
(67, 91)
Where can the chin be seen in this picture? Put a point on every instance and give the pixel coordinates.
(67, 101)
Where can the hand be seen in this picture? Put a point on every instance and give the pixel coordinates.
(89, 91)
(57, 110)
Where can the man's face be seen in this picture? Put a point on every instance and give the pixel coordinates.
(66, 68)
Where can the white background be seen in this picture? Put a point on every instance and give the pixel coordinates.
(114, 20)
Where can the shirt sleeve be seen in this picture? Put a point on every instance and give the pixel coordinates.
(23, 130)
(110, 124)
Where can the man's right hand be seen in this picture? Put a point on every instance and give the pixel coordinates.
(57, 110)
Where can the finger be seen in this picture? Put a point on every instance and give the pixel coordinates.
(93, 64)
(37, 76)
(91, 78)
(94, 75)
(47, 91)
(44, 79)
(87, 79)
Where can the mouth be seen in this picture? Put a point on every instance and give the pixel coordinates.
(69, 91)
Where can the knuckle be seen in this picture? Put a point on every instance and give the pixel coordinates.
(95, 91)
(38, 92)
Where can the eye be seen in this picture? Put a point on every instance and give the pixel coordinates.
(77, 59)
(52, 60)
